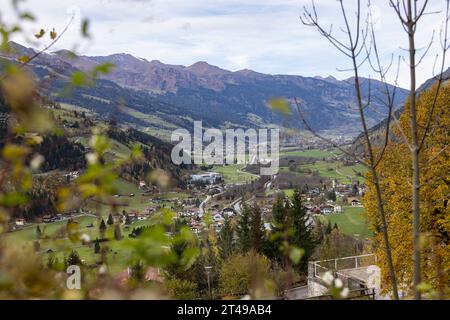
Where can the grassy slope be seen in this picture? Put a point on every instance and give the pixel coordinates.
(353, 222)
(233, 174)
(118, 257)
(344, 174)
(311, 153)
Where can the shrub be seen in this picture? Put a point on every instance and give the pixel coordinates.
(246, 273)
(181, 289)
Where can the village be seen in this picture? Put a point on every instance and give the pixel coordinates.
(211, 194)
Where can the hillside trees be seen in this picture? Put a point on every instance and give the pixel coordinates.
(291, 241)
(60, 153)
(434, 204)
(409, 15)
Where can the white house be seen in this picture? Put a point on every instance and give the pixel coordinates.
(327, 209)
(356, 203)
(20, 222)
(209, 177)
(142, 185)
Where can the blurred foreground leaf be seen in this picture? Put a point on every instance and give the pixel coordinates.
(280, 105)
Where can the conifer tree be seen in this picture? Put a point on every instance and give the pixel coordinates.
(273, 245)
(302, 236)
(110, 220)
(243, 229)
(102, 228)
(256, 228)
(226, 239)
(73, 259)
(97, 248)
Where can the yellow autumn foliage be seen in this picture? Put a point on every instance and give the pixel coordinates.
(395, 175)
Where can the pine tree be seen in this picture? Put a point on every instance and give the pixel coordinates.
(243, 229)
(97, 247)
(256, 228)
(110, 220)
(273, 245)
(73, 259)
(226, 239)
(302, 236)
(278, 213)
(117, 232)
(102, 228)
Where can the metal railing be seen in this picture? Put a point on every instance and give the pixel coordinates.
(317, 268)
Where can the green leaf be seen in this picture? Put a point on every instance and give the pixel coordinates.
(136, 152)
(84, 28)
(280, 105)
(40, 34)
(104, 68)
(5, 38)
(13, 199)
(72, 229)
(78, 79)
(296, 254)
(24, 59)
(189, 256)
(27, 16)
(424, 287)
(14, 152)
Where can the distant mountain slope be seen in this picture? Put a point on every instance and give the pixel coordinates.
(378, 132)
(66, 152)
(174, 95)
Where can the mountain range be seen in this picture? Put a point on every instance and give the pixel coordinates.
(378, 132)
(159, 97)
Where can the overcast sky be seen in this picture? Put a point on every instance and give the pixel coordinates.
(263, 35)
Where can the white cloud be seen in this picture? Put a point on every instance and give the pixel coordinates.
(266, 36)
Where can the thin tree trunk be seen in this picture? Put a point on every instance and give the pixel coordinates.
(376, 182)
(414, 155)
